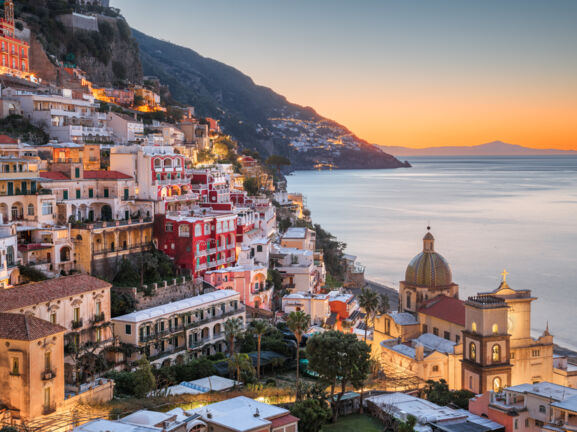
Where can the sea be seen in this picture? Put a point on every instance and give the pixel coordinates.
(488, 214)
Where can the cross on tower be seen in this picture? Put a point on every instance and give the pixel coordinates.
(504, 274)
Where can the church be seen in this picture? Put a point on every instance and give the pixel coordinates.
(478, 344)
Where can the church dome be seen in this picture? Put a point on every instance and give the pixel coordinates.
(429, 269)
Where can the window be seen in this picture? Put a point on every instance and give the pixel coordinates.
(474, 327)
(47, 208)
(76, 314)
(30, 209)
(198, 230)
(512, 355)
(470, 383)
(184, 230)
(436, 368)
(526, 422)
(472, 351)
(495, 329)
(425, 328)
(15, 366)
(156, 163)
(496, 353)
(408, 301)
(457, 339)
(206, 229)
(47, 361)
(387, 326)
(168, 227)
(259, 248)
(536, 353)
(53, 317)
(128, 329)
(65, 194)
(106, 192)
(542, 409)
(98, 308)
(497, 385)
(435, 331)
(10, 255)
(447, 335)
(98, 334)
(516, 423)
(77, 172)
(78, 194)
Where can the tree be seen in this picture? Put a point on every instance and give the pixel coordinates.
(369, 301)
(144, 381)
(250, 185)
(239, 362)
(384, 305)
(407, 426)
(338, 358)
(298, 322)
(259, 328)
(438, 392)
(313, 414)
(278, 161)
(232, 329)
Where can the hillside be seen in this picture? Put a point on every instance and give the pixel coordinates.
(495, 148)
(257, 116)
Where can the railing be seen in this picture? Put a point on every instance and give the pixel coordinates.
(76, 324)
(231, 246)
(48, 374)
(221, 261)
(173, 330)
(211, 251)
(167, 352)
(98, 317)
(289, 286)
(113, 223)
(202, 266)
(200, 253)
(231, 259)
(120, 249)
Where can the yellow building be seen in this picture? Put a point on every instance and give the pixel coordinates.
(31, 365)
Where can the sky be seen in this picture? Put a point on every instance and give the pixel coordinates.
(413, 73)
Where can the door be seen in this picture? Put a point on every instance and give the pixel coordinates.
(10, 188)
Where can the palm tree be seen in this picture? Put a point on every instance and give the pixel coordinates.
(369, 301)
(259, 327)
(298, 322)
(383, 304)
(238, 362)
(232, 328)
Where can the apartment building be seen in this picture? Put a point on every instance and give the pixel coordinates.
(182, 329)
(249, 281)
(8, 256)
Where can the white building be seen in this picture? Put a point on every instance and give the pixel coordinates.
(8, 254)
(125, 129)
(317, 306)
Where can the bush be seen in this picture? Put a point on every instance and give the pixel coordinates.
(313, 414)
(32, 274)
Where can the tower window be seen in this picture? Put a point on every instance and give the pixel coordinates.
(497, 385)
(496, 353)
(408, 301)
(495, 329)
(474, 327)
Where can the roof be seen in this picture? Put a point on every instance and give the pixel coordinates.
(569, 404)
(5, 139)
(545, 389)
(26, 327)
(52, 289)
(54, 175)
(436, 343)
(295, 233)
(281, 421)
(112, 175)
(239, 413)
(403, 318)
(112, 426)
(174, 307)
(449, 309)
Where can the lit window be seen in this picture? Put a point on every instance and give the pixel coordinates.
(495, 329)
(474, 327)
(15, 366)
(184, 230)
(496, 353)
(497, 385)
(472, 351)
(47, 208)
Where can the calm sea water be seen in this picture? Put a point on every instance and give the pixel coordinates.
(487, 214)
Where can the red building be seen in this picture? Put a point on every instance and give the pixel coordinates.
(198, 241)
(14, 50)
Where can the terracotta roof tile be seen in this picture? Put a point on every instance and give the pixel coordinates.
(26, 327)
(283, 420)
(446, 308)
(52, 289)
(114, 175)
(54, 175)
(5, 139)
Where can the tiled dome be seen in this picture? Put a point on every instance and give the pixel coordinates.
(429, 269)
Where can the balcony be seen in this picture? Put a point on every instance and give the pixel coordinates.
(48, 375)
(211, 251)
(48, 409)
(76, 324)
(221, 261)
(231, 246)
(202, 266)
(98, 318)
(200, 253)
(131, 247)
(231, 259)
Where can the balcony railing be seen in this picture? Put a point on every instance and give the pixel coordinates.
(98, 317)
(211, 251)
(231, 259)
(221, 261)
(201, 253)
(123, 222)
(120, 249)
(202, 266)
(48, 374)
(76, 324)
(231, 246)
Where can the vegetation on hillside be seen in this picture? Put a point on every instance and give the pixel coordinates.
(18, 127)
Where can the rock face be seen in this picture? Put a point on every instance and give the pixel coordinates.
(40, 63)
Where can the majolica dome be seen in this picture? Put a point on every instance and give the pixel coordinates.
(429, 269)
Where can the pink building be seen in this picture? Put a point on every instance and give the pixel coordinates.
(249, 281)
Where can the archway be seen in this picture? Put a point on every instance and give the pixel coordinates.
(106, 213)
(65, 254)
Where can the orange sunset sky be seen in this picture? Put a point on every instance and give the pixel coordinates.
(413, 73)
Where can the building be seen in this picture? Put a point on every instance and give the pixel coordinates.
(428, 275)
(176, 420)
(298, 269)
(242, 414)
(182, 329)
(70, 153)
(31, 365)
(315, 305)
(534, 407)
(249, 281)
(126, 129)
(429, 417)
(8, 256)
(299, 238)
(15, 60)
(199, 240)
(443, 316)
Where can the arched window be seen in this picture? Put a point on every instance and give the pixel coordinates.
(496, 353)
(30, 209)
(408, 301)
(495, 329)
(198, 230)
(184, 230)
(472, 351)
(10, 255)
(474, 327)
(497, 385)
(65, 254)
(157, 163)
(168, 163)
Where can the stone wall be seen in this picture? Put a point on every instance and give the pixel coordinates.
(166, 292)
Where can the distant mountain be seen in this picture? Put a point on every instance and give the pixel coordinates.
(495, 148)
(256, 116)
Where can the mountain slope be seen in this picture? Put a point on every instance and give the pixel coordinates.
(495, 148)
(257, 116)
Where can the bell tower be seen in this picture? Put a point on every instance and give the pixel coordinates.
(486, 346)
